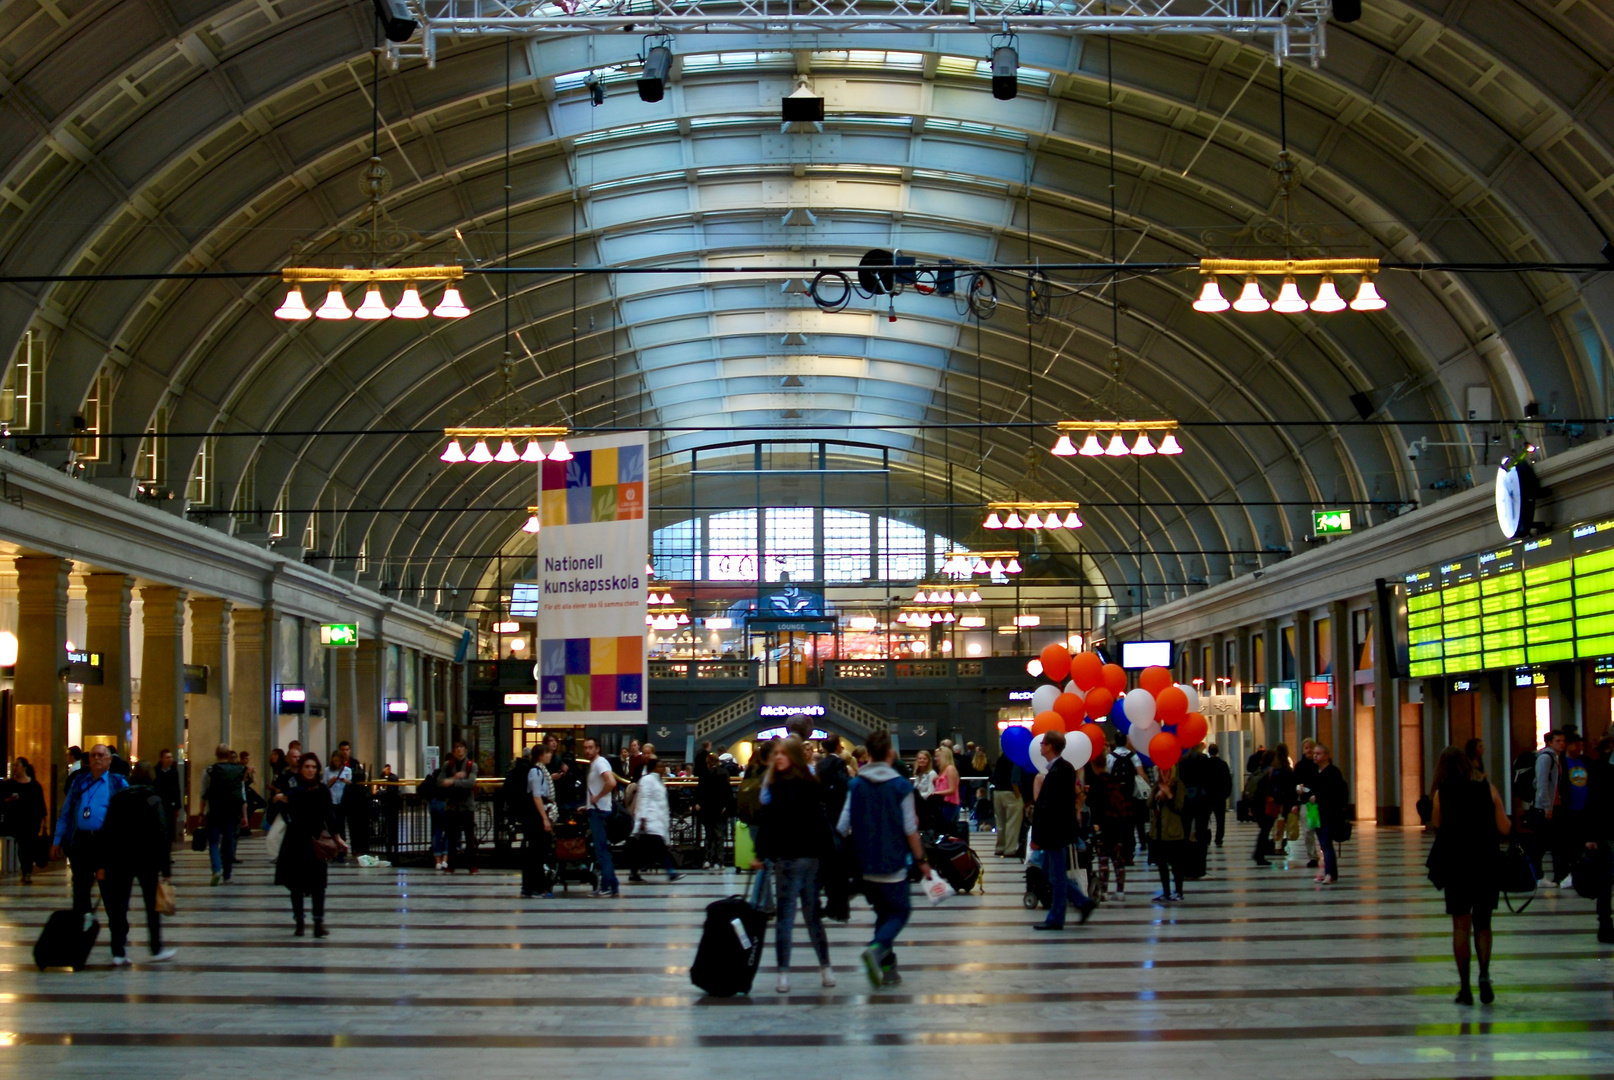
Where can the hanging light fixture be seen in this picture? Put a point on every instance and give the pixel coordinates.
(980, 567)
(452, 453)
(975, 597)
(947, 596)
(1013, 521)
(1211, 298)
(1289, 301)
(934, 597)
(683, 618)
(1092, 447)
(507, 452)
(997, 566)
(1367, 296)
(335, 307)
(1169, 444)
(532, 524)
(1328, 298)
(1033, 520)
(1117, 447)
(1143, 447)
(992, 521)
(293, 307)
(1013, 567)
(1072, 521)
(480, 453)
(451, 306)
(533, 451)
(1251, 299)
(410, 306)
(902, 617)
(919, 597)
(560, 453)
(1052, 520)
(1064, 447)
(373, 307)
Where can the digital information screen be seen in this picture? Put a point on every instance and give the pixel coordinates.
(1537, 601)
(524, 600)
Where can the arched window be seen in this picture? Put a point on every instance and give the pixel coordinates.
(853, 547)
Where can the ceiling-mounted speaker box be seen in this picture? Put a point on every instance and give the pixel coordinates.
(801, 109)
(1347, 10)
(397, 23)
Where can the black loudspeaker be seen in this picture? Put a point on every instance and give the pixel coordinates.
(803, 110)
(1363, 403)
(396, 21)
(1347, 10)
(876, 282)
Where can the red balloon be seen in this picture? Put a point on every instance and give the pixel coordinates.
(1115, 678)
(1095, 735)
(1170, 706)
(1192, 729)
(1055, 662)
(1045, 722)
(1099, 702)
(1164, 750)
(1087, 669)
(1155, 679)
(1070, 707)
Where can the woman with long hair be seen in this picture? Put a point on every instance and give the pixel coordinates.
(22, 814)
(795, 837)
(1168, 832)
(1468, 820)
(1110, 797)
(309, 814)
(946, 786)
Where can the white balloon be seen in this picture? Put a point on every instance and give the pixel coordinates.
(1035, 750)
(1078, 749)
(1192, 695)
(1042, 699)
(1071, 688)
(1138, 706)
(1034, 667)
(1140, 735)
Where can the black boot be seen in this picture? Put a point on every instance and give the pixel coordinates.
(299, 931)
(319, 928)
(1605, 933)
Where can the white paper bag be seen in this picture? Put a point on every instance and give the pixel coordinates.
(937, 889)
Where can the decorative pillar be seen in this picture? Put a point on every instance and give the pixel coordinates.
(1305, 668)
(106, 707)
(40, 724)
(210, 711)
(1272, 638)
(1343, 665)
(1386, 709)
(162, 669)
(369, 668)
(345, 714)
(250, 687)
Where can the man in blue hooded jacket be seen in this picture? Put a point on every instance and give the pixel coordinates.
(883, 822)
(80, 833)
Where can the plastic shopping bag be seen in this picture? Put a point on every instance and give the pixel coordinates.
(937, 889)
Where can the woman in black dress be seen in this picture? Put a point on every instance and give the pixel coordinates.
(22, 814)
(309, 813)
(1468, 821)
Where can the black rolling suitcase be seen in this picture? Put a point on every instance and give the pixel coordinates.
(66, 940)
(955, 862)
(730, 949)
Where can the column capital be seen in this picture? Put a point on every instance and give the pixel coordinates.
(209, 619)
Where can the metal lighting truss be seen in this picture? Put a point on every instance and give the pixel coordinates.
(1296, 28)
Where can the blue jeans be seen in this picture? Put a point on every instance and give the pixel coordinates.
(1062, 886)
(797, 879)
(439, 837)
(892, 907)
(221, 847)
(602, 851)
(950, 812)
(1325, 837)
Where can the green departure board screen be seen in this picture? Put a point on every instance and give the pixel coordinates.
(1537, 601)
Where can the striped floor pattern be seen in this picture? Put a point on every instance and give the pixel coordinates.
(1260, 973)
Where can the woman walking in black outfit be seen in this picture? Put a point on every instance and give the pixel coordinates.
(309, 813)
(22, 814)
(1469, 820)
(1275, 797)
(794, 838)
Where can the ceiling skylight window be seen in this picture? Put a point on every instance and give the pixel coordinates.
(626, 132)
(971, 67)
(868, 58)
(970, 127)
(730, 61)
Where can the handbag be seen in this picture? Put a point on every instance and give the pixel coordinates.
(1292, 829)
(199, 839)
(1517, 875)
(1314, 816)
(1273, 808)
(325, 846)
(1592, 872)
(274, 838)
(167, 902)
(760, 895)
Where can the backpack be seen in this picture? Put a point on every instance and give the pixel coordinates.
(1524, 776)
(224, 785)
(517, 804)
(748, 804)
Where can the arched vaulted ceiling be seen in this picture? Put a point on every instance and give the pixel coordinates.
(147, 137)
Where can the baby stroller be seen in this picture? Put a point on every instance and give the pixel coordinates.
(574, 853)
(1078, 861)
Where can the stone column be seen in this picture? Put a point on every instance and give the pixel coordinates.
(162, 672)
(250, 686)
(1386, 711)
(1305, 668)
(40, 725)
(1344, 670)
(1272, 635)
(345, 714)
(210, 712)
(106, 610)
(369, 667)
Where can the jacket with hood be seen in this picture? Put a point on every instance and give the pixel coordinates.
(880, 815)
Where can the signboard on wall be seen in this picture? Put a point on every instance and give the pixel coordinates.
(591, 582)
(1317, 694)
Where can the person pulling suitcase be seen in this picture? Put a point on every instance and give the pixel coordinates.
(79, 834)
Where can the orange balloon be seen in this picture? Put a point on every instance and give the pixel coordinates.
(1055, 661)
(1070, 707)
(1087, 669)
(1155, 679)
(1095, 735)
(1164, 750)
(1192, 729)
(1048, 721)
(1170, 706)
(1099, 702)
(1115, 678)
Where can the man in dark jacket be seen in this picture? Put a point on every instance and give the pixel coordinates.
(165, 781)
(1219, 788)
(880, 817)
(138, 850)
(1599, 834)
(1305, 781)
(1054, 822)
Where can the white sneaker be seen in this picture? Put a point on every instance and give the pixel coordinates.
(120, 961)
(828, 974)
(164, 956)
(783, 985)
(1118, 897)
(1568, 882)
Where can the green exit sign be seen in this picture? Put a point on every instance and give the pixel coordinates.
(1330, 522)
(339, 635)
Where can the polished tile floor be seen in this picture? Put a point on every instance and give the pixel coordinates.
(1260, 973)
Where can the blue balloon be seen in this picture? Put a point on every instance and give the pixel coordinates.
(1143, 759)
(1016, 743)
(1118, 718)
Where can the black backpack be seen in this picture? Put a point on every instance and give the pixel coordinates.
(517, 803)
(1524, 777)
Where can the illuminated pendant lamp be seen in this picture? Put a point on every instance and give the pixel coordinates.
(1072, 521)
(1117, 447)
(1013, 521)
(1367, 297)
(480, 453)
(947, 596)
(507, 452)
(1013, 567)
(1143, 447)
(1052, 520)
(1064, 447)
(1328, 298)
(532, 524)
(373, 308)
(992, 521)
(997, 566)
(410, 306)
(453, 453)
(1289, 301)
(1092, 447)
(1034, 520)
(1251, 299)
(293, 307)
(980, 567)
(1211, 298)
(1169, 444)
(335, 307)
(902, 616)
(560, 453)
(533, 452)
(934, 598)
(451, 306)
(975, 597)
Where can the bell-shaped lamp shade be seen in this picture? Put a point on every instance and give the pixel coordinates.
(1117, 447)
(1169, 444)
(1072, 521)
(1064, 447)
(980, 567)
(533, 452)
(453, 453)
(992, 521)
(1051, 521)
(997, 566)
(451, 306)
(1289, 300)
(480, 453)
(975, 597)
(1328, 298)
(507, 452)
(1092, 447)
(683, 618)
(410, 306)
(1367, 297)
(373, 307)
(902, 616)
(919, 597)
(949, 617)
(947, 596)
(560, 453)
(532, 524)
(293, 307)
(334, 306)
(650, 620)
(1013, 567)
(1034, 520)
(1251, 299)
(1013, 521)
(1142, 446)
(1211, 298)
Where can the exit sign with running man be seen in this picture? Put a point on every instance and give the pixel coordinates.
(1330, 522)
(339, 635)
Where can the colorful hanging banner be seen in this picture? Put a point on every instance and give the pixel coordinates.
(591, 582)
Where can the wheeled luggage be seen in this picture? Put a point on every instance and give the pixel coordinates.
(730, 949)
(66, 940)
(955, 862)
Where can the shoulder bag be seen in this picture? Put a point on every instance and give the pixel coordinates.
(167, 902)
(326, 847)
(1516, 876)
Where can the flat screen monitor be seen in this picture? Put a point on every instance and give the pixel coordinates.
(1136, 655)
(524, 600)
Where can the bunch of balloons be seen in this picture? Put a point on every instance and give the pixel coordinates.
(1158, 718)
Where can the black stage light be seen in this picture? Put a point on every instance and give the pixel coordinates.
(1363, 403)
(801, 109)
(396, 21)
(1347, 10)
(1005, 72)
(596, 88)
(653, 82)
(876, 282)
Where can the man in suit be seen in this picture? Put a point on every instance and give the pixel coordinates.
(1054, 823)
